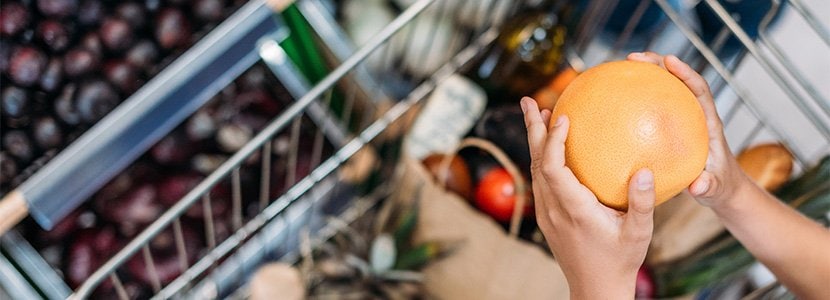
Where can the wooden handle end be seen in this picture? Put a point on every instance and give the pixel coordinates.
(13, 208)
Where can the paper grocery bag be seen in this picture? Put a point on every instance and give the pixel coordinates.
(681, 226)
(488, 263)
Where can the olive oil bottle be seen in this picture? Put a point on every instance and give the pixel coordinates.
(527, 54)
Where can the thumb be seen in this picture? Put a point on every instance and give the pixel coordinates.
(639, 220)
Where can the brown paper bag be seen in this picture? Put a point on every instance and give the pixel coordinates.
(488, 264)
(681, 226)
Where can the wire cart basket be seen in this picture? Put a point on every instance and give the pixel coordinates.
(356, 124)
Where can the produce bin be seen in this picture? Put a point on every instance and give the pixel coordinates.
(353, 117)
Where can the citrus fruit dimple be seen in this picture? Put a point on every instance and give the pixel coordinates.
(628, 115)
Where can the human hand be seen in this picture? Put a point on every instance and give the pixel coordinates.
(599, 248)
(722, 176)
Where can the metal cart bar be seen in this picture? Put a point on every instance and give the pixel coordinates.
(265, 135)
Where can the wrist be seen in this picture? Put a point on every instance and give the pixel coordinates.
(623, 287)
(733, 202)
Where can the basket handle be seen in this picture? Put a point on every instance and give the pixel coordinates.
(502, 159)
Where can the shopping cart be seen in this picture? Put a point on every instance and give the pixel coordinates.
(357, 142)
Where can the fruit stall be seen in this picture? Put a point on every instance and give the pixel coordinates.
(365, 149)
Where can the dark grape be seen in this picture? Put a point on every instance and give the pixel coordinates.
(123, 75)
(220, 196)
(200, 126)
(253, 78)
(166, 261)
(67, 226)
(25, 65)
(174, 149)
(47, 133)
(95, 99)
(258, 100)
(133, 13)
(15, 102)
(52, 77)
(65, 106)
(89, 250)
(232, 137)
(90, 12)
(137, 207)
(152, 5)
(116, 34)
(174, 187)
(143, 54)
(92, 43)
(79, 62)
(172, 29)
(249, 121)
(208, 10)
(18, 145)
(57, 8)
(53, 34)
(13, 18)
(8, 168)
(115, 188)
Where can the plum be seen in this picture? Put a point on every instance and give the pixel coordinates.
(200, 126)
(8, 168)
(52, 77)
(172, 29)
(133, 13)
(165, 257)
(26, 65)
(47, 133)
(14, 17)
(174, 187)
(57, 8)
(116, 34)
(123, 75)
(53, 34)
(95, 99)
(18, 144)
(174, 149)
(89, 250)
(80, 61)
(92, 43)
(132, 211)
(232, 137)
(143, 54)
(76, 220)
(65, 106)
(15, 102)
(208, 10)
(90, 12)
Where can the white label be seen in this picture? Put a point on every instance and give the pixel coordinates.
(450, 112)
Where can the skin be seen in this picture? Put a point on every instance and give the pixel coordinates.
(600, 249)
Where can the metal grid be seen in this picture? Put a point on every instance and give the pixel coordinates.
(358, 127)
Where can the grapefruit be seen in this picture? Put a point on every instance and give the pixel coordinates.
(628, 115)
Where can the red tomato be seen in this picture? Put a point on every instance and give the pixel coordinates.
(496, 195)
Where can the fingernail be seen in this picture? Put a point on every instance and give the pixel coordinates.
(637, 53)
(646, 181)
(701, 188)
(559, 121)
(523, 104)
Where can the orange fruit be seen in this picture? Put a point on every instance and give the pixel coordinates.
(628, 115)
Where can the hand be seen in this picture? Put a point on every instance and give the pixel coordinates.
(598, 248)
(722, 176)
